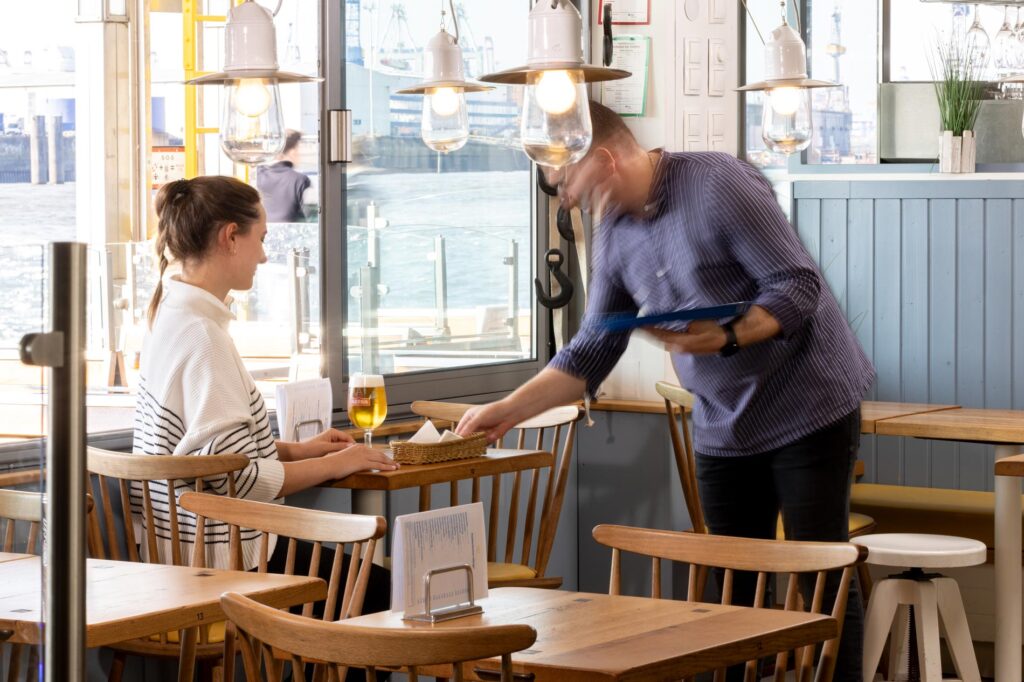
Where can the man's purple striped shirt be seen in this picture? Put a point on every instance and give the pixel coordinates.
(715, 234)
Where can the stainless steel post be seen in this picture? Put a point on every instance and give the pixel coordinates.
(441, 287)
(63, 351)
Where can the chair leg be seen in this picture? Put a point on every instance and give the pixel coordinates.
(117, 667)
(958, 637)
(926, 618)
(881, 609)
(864, 576)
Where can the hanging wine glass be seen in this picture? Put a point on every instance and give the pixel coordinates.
(1004, 44)
(977, 38)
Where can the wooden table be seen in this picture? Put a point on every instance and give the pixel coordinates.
(9, 556)
(591, 637)
(1005, 430)
(127, 600)
(872, 412)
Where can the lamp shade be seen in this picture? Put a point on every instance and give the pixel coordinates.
(555, 43)
(446, 70)
(250, 49)
(785, 63)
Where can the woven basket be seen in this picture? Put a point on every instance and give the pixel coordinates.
(431, 453)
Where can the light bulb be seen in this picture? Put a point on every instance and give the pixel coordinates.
(785, 101)
(252, 97)
(556, 91)
(445, 123)
(786, 125)
(252, 132)
(555, 129)
(444, 101)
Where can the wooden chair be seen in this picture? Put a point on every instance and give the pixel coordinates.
(744, 554)
(341, 644)
(23, 509)
(293, 524)
(525, 568)
(112, 476)
(677, 401)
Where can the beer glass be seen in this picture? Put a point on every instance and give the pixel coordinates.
(367, 403)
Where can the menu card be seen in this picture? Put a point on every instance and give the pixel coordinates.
(437, 539)
(303, 408)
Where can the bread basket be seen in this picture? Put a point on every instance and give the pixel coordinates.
(405, 452)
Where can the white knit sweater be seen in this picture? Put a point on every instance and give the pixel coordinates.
(197, 398)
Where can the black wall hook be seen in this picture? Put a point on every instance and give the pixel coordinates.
(608, 43)
(554, 259)
(563, 221)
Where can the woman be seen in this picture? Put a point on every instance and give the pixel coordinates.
(195, 395)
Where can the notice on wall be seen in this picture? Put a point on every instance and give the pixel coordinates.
(168, 165)
(628, 97)
(626, 11)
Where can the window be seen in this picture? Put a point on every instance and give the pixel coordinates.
(442, 246)
(842, 46)
(439, 246)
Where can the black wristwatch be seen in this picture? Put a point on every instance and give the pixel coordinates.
(731, 346)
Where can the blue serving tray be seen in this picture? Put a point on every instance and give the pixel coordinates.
(618, 322)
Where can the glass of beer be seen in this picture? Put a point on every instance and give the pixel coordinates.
(367, 403)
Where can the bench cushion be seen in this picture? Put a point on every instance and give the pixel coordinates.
(941, 511)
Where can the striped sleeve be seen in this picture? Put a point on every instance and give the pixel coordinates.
(225, 416)
(743, 206)
(593, 352)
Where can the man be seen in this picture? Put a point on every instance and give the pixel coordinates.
(281, 185)
(777, 417)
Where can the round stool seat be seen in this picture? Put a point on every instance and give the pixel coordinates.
(920, 550)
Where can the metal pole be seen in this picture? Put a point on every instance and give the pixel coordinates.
(440, 286)
(63, 350)
(37, 150)
(55, 149)
(512, 261)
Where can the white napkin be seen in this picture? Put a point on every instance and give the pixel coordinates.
(428, 434)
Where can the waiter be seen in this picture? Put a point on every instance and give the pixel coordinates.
(777, 415)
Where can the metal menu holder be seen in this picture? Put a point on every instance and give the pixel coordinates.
(444, 613)
(308, 422)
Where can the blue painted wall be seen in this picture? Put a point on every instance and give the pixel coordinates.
(930, 276)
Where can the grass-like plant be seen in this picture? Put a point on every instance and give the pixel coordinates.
(959, 86)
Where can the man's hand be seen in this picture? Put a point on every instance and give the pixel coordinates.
(494, 419)
(702, 337)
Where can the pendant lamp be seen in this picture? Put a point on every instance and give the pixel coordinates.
(786, 123)
(445, 123)
(555, 126)
(252, 127)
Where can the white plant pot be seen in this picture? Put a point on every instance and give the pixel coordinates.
(956, 153)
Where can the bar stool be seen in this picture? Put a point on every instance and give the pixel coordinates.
(932, 595)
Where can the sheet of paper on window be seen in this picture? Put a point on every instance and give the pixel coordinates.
(627, 11)
(628, 96)
(438, 539)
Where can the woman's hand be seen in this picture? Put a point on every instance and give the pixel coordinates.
(325, 442)
(355, 458)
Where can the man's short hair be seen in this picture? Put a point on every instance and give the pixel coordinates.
(608, 126)
(292, 138)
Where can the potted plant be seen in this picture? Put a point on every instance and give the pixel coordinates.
(959, 89)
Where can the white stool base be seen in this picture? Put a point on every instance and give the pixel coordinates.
(937, 609)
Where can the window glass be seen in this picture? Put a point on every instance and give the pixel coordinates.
(842, 48)
(439, 245)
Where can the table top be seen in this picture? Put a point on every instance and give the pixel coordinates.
(872, 412)
(592, 637)
(126, 600)
(964, 424)
(496, 461)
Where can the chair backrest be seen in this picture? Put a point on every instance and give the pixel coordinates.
(355, 532)
(139, 480)
(763, 557)
(536, 538)
(342, 644)
(677, 401)
(24, 508)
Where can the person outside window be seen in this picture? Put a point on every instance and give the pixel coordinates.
(281, 186)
